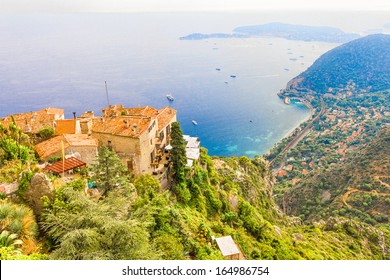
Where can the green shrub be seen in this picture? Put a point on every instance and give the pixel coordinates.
(46, 133)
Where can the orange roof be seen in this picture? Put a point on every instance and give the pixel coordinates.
(305, 172)
(35, 121)
(66, 165)
(65, 126)
(117, 126)
(289, 167)
(165, 116)
(282, 173)
(54, 146)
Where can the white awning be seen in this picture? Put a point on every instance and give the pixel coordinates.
(193, 153)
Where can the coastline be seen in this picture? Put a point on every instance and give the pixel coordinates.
(311, 114)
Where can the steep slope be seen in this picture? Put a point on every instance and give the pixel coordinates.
(362, 64)
(358, 188)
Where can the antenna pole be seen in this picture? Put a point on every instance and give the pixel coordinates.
(108, 101)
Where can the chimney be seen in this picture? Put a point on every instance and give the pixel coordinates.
(126, 123)
(74, 115)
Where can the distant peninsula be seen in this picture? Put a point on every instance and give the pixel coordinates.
(363, 63)
(282, 30)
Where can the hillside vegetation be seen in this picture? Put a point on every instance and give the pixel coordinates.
(356, 188)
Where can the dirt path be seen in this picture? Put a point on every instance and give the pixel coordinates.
(380, 181)
(352, 190)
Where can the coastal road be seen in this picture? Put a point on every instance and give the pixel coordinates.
(302, 134)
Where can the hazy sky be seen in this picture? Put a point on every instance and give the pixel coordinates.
(186, 5)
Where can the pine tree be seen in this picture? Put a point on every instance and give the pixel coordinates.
(109, 171)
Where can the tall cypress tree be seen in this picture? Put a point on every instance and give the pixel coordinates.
(178, 152)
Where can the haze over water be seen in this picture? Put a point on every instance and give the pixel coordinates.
(62, 60)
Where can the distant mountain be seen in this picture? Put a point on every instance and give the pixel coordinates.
(282, 30)
(359, 187)
(298, 32)
(201, 36)
(363, 64)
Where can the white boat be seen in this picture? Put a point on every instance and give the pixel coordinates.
(194, 122)
(170, 97)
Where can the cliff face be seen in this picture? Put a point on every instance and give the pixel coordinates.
(362, 65)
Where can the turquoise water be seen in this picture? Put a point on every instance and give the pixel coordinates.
(63, 61)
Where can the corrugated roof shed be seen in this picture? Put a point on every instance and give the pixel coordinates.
(227, 246)
(69, 164)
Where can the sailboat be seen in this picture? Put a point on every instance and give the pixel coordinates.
(194, 122)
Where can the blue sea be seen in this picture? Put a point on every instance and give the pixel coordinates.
(63, 60)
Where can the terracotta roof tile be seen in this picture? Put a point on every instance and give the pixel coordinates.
(117, 126)
(35, 121)
(165, 116)
(51, 146)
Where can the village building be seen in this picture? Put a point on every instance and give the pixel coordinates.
(34, 122)
(138, 135)
(81, 146)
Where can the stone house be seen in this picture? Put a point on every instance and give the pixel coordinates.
(80, 146)
(137, 135)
